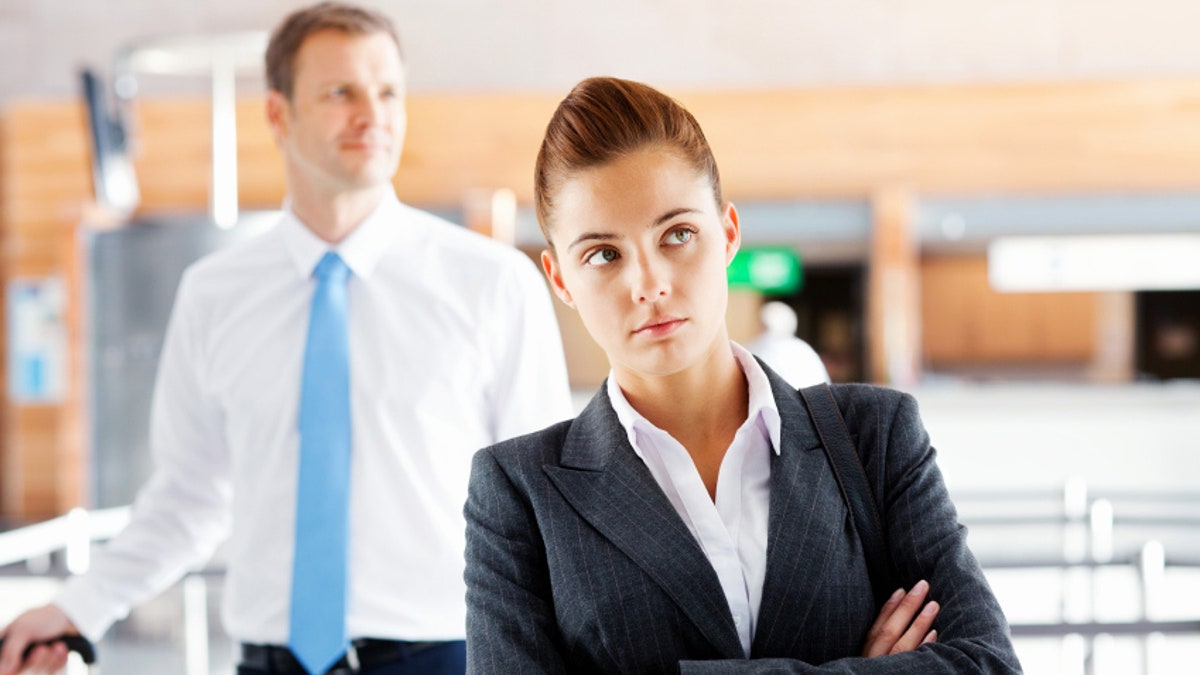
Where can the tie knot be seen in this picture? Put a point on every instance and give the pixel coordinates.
(331, 268)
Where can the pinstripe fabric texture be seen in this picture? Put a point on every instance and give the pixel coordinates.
(577, 563)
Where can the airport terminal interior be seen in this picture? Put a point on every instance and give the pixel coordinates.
(992, 206)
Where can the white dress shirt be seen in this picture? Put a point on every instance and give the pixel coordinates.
(453, 346)
(732, 530)
(794, 359)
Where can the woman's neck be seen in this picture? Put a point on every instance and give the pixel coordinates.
(702, 407)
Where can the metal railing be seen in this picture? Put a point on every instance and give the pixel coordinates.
(72, 536)
(1087, 524)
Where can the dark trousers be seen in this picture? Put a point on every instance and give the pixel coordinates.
(449, 658)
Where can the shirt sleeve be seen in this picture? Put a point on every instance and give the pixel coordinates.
(530, 390)
(183, 512)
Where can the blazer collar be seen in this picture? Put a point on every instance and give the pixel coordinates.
(611, 488)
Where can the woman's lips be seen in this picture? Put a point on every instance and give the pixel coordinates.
(659, 327)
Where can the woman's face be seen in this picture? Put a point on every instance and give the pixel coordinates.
(640, 250)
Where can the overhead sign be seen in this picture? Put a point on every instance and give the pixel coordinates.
(767, 269)
(1133, 262)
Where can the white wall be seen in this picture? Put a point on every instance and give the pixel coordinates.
(474, 45)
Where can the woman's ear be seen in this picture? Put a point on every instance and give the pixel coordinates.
(554, 273)
(733, 231)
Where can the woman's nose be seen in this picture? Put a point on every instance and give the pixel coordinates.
(652, 281)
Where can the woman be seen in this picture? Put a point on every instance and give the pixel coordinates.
(684, 522)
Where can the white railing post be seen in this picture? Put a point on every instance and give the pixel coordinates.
(1152, 568)
(195, 624)
(78, 541)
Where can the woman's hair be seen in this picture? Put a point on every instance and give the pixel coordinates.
(287, 39)
(604, 118)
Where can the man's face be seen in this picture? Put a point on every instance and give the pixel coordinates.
(343, 128)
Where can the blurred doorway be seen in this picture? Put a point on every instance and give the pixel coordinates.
(830, 309)
(1168, 334)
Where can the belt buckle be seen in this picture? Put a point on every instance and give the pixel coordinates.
(352, 658)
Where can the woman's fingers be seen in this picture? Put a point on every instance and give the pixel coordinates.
(898, 617)
(919, 629)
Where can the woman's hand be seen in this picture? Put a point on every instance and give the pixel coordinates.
(903, 625)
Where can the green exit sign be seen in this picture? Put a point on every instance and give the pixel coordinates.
(766, 269)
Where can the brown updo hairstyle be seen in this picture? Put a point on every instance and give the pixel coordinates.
(604, 118)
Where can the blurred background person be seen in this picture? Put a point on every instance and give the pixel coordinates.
(794, 359)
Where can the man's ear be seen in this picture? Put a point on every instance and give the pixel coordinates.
(733, 231)
(554, 273)
(277, 114)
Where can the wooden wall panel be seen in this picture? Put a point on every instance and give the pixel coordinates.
(965, 322)
(772, 145)
(44, 180)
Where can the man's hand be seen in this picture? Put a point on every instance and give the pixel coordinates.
(902, 625)
(41, 623)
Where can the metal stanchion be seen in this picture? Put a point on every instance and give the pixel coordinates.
(1075, 575)
(1152, 564)
(1100, 540)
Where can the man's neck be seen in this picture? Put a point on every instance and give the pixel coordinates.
(333, 217)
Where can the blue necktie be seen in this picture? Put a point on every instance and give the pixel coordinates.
(318, 616)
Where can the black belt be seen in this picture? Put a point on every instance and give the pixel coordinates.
(362, 654)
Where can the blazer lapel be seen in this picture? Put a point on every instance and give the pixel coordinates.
(611, 488)
(805, 517)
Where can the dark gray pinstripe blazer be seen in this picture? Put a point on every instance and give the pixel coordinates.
(577, 562)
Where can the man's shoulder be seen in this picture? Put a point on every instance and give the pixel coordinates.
(253, 250)
(230, 269)
(444, 238)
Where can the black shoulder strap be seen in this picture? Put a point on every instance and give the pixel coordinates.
(856, 490)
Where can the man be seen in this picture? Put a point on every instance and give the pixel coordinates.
(356, 313)
(788, 355)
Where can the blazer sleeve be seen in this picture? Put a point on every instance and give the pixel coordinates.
(511, 624)
(926, 542)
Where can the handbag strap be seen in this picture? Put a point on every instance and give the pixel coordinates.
(852, 482)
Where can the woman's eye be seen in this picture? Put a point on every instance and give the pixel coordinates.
(680, 236)
(601, 257)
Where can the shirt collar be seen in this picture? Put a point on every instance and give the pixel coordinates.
(761, 404)
(762, 397)
(361, 250)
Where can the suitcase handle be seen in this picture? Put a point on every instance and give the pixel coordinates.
(75, 643)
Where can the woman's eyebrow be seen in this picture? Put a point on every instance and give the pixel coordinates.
(591, 236)
(672, 214)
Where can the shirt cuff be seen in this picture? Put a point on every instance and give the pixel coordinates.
(88, 608)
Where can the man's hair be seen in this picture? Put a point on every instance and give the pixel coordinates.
(298, 26)
(605, 118)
